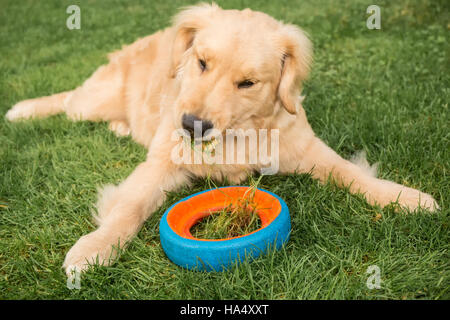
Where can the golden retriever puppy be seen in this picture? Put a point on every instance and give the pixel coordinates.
(222, 69)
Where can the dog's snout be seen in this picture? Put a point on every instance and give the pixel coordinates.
(195, 125)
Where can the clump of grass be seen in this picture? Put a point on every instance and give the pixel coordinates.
(207, 146)
(236, 219)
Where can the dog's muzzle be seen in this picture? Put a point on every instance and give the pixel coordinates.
(195, 126)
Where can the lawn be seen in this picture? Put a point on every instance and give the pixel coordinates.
(385, 91)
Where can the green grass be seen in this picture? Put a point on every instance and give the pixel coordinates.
(385, 91)
(226, 223)
(238, 217)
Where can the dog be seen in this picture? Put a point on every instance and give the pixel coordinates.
(223, 69)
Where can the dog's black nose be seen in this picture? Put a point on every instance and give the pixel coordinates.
(193, 124)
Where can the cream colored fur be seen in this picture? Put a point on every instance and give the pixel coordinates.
(147, 86)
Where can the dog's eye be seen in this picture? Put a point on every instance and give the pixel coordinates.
(245, 84)
(202, 64)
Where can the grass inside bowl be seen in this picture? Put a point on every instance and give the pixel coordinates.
(236, 219)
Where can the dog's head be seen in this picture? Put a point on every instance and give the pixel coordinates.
(233, 66)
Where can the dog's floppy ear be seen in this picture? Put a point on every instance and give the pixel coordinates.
(186, 24)
(295, 65)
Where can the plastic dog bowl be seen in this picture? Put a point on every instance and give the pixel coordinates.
(219, 254)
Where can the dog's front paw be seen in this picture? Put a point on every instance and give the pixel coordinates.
(387, 192)
(412, 199)
(120, 128)
(23, 110)
(93, 248)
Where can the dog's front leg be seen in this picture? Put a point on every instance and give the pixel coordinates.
(316, 157)
(122, 210)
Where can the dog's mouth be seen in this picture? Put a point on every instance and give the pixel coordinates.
(211, 140)
(207, 146)
(208, 142)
